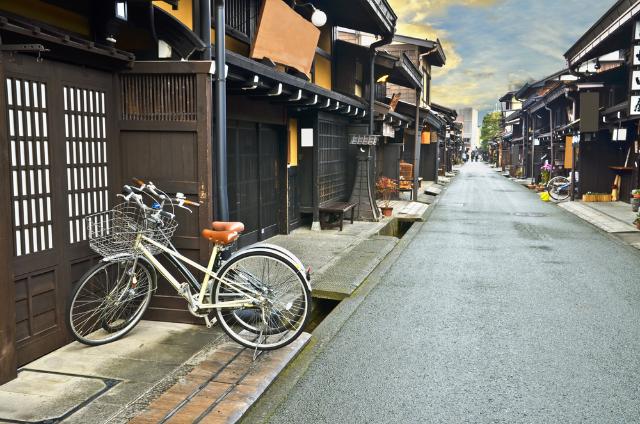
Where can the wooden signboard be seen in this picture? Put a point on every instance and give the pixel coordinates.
(285, 37)
(568, 152)
(426, 137)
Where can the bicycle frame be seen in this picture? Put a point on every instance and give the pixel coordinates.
(209, 274)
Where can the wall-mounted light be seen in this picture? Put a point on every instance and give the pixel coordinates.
(318, 17)
(121, 10)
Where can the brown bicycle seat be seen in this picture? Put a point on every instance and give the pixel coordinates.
(220, 237)
(237, 227)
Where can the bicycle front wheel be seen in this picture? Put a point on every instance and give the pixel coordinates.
(272, 300)
(109, 300)
(559, 188)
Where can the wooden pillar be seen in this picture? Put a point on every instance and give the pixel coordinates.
(315, 225)
(416, 149)
(8, 360)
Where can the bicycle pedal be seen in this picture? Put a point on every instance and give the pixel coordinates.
(210, 322)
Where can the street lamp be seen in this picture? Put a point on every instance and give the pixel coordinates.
(318, 17)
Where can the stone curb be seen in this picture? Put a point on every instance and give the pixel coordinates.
(329, 328)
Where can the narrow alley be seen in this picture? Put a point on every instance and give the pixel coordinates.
(502, 309)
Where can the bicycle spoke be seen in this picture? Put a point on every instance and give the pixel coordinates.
(109, 302)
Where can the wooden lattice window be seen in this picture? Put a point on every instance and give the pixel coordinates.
(86, 157)
(158, 97)
(332, 167)
(29, 166)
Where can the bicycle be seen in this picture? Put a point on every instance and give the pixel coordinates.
(261, 295)
(559, 188)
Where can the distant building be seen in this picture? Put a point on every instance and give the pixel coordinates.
(470, 130)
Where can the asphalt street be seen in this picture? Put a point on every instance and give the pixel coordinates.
(501, 309)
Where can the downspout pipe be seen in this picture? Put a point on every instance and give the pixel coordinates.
(553, 159)
(205, 27)
(525, 138)
(221, 112)
(533, 150)
(387, 39)
(573, 148)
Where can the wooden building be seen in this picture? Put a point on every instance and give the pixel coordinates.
(605, 60)
(94, 93)
(586, 116)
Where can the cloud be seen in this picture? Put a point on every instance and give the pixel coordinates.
(493, 46)
(419, 9)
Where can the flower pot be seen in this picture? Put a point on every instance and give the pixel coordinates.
(635, 204)
(387, 211)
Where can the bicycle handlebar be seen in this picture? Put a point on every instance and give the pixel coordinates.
(131, 195)
(148, 187)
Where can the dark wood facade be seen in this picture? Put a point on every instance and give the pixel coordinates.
(164, 133)
(60, 142)
(83, 132)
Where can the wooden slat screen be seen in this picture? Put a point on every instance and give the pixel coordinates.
(242, 16)
(86, 157)
(158, 97)
(332, 168)
(30, 179)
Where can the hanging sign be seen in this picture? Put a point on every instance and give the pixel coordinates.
(634, 96)
(620, 134)
(388, 130)
(635, 105)
(635, 83)
(285, 37)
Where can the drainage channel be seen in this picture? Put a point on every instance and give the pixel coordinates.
(320, 309)
(396, 228)
(323, 302)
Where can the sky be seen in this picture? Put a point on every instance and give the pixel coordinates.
(492, 46)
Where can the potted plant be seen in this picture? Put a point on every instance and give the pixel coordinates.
(637, 221)
(545, 173)
(386, 187)
(635, 199)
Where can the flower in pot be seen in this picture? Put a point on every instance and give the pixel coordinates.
(637, 221)
(386, 187)
(635, 199)
(545, 173)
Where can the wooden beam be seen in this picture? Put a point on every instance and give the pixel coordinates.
(8, 358)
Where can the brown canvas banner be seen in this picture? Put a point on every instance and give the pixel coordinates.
(285, 37)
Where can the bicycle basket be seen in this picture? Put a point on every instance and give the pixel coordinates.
(114, 232)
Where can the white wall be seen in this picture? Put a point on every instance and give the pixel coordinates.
(469, 118)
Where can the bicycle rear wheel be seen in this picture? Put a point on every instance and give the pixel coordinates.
(559, 188)
(276, 299)
(109, 300)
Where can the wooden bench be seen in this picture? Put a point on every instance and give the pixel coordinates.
(338, 208)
